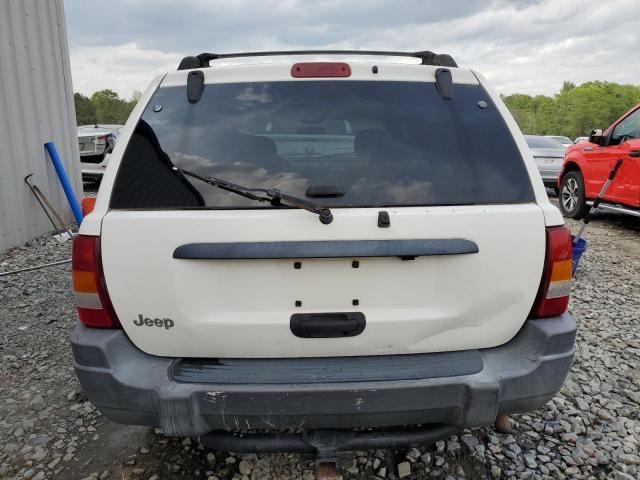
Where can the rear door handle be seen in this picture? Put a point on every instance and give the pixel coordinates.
(634, 153)
(327, 325)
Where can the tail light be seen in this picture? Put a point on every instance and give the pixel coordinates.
(94, 307)
(320, 70)
(555, 285)
(101, 139)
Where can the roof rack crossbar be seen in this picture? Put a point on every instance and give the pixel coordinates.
(428, 58)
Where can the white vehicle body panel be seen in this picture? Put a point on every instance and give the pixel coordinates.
(241, 308)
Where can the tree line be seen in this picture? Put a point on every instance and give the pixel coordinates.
(575, 110)
(572, 112)
(103, 107)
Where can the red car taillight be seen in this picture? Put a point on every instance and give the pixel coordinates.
(555, 285)
(94, 307)
(320, 69)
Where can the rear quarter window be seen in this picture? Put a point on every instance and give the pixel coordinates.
(381, 143)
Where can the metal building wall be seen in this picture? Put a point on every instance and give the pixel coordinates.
(36, 106)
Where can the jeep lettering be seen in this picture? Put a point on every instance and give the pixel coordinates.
(167, 323)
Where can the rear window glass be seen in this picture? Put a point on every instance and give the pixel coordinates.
(381, 143)
(543, 142)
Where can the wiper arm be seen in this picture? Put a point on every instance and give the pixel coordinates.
(272, 195)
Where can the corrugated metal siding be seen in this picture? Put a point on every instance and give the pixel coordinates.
(36, 106)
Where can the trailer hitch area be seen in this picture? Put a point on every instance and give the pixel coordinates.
(325, 442)
(326, 469)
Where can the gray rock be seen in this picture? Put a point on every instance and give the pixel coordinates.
(470, 441)
(530, 460)
(453, 446)
(404, 469)
(633, 396)
(618, 475)
(413, 455)
(245, 467)
(629, 459)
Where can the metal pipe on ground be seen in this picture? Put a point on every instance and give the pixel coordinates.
(48, 209)
(35, 267)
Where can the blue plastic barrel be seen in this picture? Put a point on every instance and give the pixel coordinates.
(578, 249)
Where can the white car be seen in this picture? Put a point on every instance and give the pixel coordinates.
(95, 143)
(303, 256)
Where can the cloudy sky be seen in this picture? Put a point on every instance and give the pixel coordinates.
(528, 46)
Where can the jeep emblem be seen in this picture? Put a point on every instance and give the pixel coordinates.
(167, 323)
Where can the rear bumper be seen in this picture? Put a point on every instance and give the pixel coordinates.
(550, 177)
(453, 390)
(93, 150)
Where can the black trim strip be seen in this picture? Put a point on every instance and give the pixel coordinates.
(278, 371)
(325, 249)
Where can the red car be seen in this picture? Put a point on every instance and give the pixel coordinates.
(587, 166)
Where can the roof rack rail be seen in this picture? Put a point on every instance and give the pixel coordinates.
(427, 57)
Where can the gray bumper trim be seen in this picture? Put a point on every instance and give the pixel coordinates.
(279, 371)
(129, 386)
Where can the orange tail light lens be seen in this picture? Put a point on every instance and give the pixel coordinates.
(555, 285)
(94, 307)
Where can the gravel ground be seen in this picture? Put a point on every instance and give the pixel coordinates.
(590, 430)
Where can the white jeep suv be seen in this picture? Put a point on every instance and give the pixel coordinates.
(306, 253)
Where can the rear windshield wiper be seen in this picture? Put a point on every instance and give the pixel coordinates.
(272, 195)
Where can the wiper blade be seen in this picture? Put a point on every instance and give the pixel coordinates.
(271, 195)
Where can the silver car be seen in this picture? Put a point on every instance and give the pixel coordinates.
(566, 141)
(549, 155)
(95, 143)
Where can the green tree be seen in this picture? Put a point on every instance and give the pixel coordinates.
(110, 108)
(574, 110)
(85, 110)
